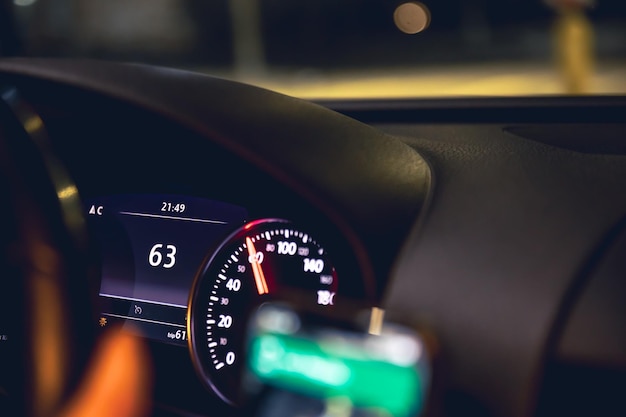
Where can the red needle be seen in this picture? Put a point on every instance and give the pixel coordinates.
(259, 276)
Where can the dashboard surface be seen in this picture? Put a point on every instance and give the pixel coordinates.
(497, 224)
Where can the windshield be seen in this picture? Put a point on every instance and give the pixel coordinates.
(344, 49)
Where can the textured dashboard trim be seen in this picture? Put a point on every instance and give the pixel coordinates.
(372, 186)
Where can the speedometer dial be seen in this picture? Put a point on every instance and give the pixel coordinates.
(255, 264)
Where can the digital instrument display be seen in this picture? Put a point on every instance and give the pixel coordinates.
(151, 247)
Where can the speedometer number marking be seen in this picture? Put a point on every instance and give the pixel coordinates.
(325, 298)
(287, 248)
(233, 285)
(313, 265)
(225, 321)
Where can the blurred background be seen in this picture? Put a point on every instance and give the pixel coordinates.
(344, 49)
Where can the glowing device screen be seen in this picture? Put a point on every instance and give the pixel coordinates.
(150, 248)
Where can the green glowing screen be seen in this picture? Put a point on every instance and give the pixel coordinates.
(326, 371)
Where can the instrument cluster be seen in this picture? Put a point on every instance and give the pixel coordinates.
(189, 271)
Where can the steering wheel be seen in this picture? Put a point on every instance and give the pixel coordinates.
(46, 304)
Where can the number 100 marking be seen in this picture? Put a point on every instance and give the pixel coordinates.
(287, 248)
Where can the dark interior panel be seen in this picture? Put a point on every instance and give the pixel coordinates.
(497, 224)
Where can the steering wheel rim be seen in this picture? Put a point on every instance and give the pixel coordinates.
(46, 294)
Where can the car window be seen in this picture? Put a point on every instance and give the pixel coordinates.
(347, 49)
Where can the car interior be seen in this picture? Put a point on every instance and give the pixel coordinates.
(283, 256)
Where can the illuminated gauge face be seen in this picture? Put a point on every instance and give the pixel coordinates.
(257, 263)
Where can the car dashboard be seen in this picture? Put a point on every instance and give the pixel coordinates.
(494, 225)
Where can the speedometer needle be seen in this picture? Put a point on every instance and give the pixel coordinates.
(259, 276)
